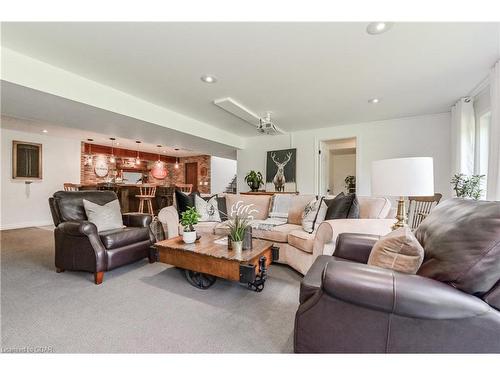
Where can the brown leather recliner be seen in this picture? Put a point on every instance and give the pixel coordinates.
(78, 245)
(452, 305)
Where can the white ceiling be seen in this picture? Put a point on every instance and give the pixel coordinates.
(70, 119)
(34, 126)
(309, 75)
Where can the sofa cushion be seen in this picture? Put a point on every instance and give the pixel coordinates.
(183, 201)
(399, 250)
(461, 239)
(342, 207)
(278, 234)
(115, 238)
(297, 205)
(208, 208)
(258, 209)
(314, 214)
(373, 207)
(302, 240)
(105, 217)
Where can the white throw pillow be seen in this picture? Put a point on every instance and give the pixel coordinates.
(105, 217)
(314, 214)
(209, 210)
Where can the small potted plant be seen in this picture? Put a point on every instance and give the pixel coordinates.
(350, 184)
(188, 219)
(467, 187)
(254, 180)
(237, 227)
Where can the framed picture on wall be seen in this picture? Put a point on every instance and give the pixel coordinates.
(26, 160)
(281, 170)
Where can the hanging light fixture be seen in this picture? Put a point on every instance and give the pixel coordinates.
(88, 157)
(112, 159)
(159, 171)
(137, 159)
(176, 166)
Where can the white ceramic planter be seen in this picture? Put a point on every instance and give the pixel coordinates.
(237, 246)
(189, 237)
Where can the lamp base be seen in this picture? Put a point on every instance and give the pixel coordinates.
(401, 215)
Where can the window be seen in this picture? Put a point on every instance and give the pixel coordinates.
(483, 139)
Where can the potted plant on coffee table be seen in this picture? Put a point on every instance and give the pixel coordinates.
(188, 219)
(237, 227)
(254, 180)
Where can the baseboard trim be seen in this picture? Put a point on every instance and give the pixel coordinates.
(25, 225)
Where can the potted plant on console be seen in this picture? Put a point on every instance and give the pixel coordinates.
(237, 227)
(254, 180)
(188, 219)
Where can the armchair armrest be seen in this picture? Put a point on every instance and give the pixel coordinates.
(169, 218)
(137, 220)
(81, 237)
(355, 246)
(329, 230)
(78, 228)
(401, 294)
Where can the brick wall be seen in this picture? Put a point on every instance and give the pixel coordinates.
(174, 176)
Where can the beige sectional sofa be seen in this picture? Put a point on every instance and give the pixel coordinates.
(298, 248)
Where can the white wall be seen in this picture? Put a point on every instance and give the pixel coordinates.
(413, 136)
(341, 166)
(223, 171)
(24, 205)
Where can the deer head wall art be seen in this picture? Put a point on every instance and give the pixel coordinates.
(280, 170)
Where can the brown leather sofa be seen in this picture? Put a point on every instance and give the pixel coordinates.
(452, 305)
(78, 245)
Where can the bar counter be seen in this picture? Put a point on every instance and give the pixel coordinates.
(127, 195)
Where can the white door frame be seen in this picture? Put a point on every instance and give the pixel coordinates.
(319, 167)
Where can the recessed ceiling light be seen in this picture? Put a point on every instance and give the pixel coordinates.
(374, 100)
(45, 131)
(208, 78)
(176, 149)
(375, 28)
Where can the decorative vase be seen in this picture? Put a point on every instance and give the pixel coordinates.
(247, 239)
(254, 186)
(237, 246)
(189, 237)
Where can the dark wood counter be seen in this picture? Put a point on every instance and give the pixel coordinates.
(127, 195)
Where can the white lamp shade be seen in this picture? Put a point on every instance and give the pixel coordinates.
(403, 177)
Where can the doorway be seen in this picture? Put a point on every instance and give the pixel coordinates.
(338, 166)
(191, 174)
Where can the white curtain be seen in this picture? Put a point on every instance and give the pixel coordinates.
(463, 125)
(493, 189)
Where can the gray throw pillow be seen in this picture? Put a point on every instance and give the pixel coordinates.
(105, 217)
(399, 251)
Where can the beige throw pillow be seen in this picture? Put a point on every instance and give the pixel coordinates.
(399, 251)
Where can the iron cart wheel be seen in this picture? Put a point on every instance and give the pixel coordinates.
(200, 280)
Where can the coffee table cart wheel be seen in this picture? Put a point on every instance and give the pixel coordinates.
(199, 280)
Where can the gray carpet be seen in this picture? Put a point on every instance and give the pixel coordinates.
(139, 308)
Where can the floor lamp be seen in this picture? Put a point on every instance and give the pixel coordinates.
(404, 177)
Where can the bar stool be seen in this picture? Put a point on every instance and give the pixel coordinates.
(185, 188)
(71, 187)
(146, 194)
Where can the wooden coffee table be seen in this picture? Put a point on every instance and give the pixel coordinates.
(205, 260)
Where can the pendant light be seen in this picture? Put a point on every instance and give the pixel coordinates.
(176, 166)
(137, 159)
(112, 158)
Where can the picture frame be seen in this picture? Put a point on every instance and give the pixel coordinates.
(26, 160)
(281, 170)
